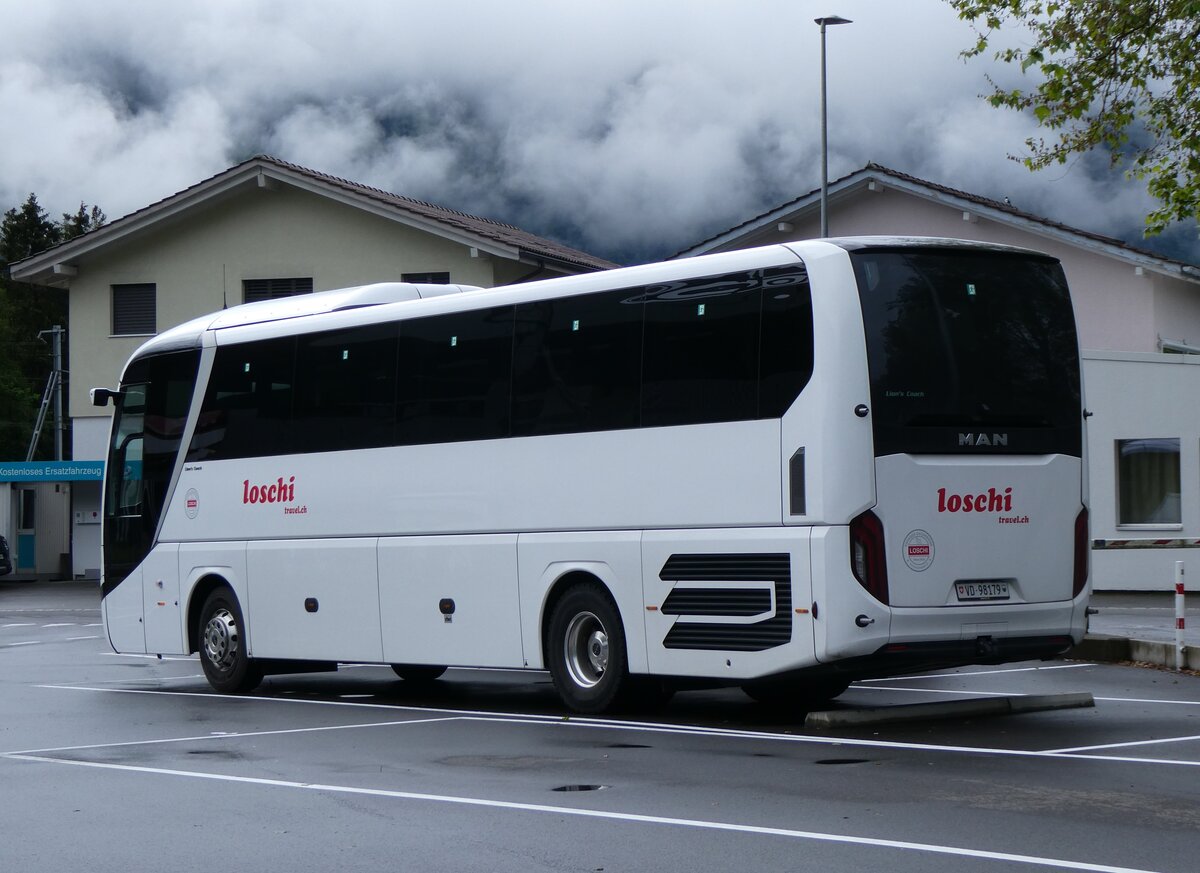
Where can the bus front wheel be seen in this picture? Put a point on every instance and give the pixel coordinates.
(586, 650)
(227, 666)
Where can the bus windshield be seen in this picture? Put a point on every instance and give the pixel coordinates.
(152, 409)
(969, 351)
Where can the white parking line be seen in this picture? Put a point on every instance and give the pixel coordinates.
(972, 693)
(19, 624)
(757, 830)
(1130, 744)
(61, 624)
(962, 673)
(645, 727)
(22, 643)
(149, 657)
(73, 639)
(224, 735)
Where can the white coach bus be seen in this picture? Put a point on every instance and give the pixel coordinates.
(783, 468)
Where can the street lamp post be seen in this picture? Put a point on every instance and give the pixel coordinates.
(827, 20)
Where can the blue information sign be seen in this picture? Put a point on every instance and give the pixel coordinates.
(51, 471)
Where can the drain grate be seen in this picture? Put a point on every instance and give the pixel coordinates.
(580, 788)
(836, 761)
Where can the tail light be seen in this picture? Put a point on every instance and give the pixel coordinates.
(1079, 581)
(867, 559)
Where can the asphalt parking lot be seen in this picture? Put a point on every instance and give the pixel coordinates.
(112, 762)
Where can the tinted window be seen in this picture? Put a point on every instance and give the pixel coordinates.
(700, 358)
(247, 408)
(577, 364)
(786, 354)
(345, 394)
(963, 345)
(152, 412)
(455, 373)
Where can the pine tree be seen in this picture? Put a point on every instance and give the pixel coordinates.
(25, 310)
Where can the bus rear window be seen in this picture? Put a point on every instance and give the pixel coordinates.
(969, 351)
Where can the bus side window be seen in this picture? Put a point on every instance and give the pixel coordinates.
(786, 357)
(700, 353)
(455, 378)
(247, 410)
(577, 364)
(345, 394)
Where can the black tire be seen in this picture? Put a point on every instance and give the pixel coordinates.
(585, 650)
(418, 672)
(796, 693)
(223, 645)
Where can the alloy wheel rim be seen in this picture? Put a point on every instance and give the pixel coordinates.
(221, 639)
(587, 650)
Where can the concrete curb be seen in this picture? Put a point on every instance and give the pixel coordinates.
(1110, 649)
(955, 709)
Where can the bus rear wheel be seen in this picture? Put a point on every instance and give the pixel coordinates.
(418, 672)
(227, 666)
(586, 650)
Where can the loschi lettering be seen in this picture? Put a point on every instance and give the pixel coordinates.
(279, 491)
(989, 501)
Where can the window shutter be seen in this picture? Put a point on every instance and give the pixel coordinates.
(133, 309)
(254, 290)
(426, 278)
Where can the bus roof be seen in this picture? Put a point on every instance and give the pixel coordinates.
(190, 334)
(187, 335)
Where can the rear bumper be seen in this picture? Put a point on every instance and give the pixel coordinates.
(897, 659)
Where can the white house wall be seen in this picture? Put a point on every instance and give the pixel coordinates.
(89, 440)
(1141, 397)
(1176, 310)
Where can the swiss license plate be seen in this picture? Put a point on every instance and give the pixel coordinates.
(983, 589)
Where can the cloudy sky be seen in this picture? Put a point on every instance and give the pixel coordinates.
(628, 128)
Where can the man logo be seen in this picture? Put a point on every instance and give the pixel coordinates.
(983, 439)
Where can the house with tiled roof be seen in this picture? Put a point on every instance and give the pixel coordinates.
(1126, 299)
(1138, 315)
(261, 229)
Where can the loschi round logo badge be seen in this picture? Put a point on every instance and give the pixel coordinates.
(191, 503)
(918, 550)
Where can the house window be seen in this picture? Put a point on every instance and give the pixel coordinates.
(133, 309)
(254, 290)
(426, 278)
(1148, 482)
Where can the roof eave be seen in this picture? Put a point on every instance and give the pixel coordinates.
(56, 265)
(1038, 228)
(872, 174)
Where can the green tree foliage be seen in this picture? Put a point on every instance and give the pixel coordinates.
(1117, 74)
(25, 310)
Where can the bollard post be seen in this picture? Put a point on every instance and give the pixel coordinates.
(1180, 616)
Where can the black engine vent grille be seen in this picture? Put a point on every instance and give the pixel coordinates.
(730, 602)
(717, 601)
